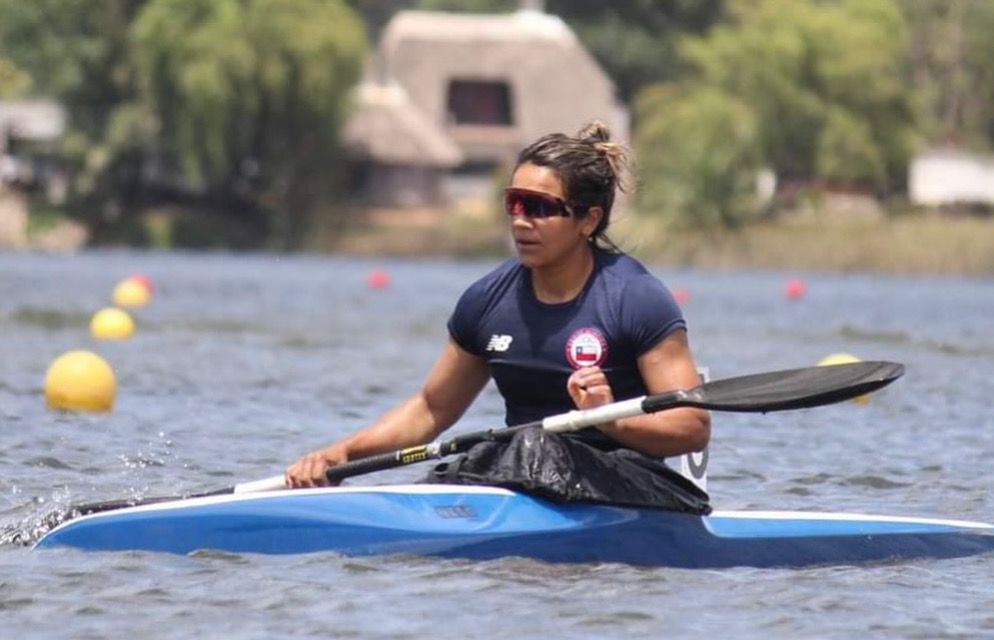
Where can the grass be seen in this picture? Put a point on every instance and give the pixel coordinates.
(912, 243)
(909, 244)
(43, 217)
(462, 231)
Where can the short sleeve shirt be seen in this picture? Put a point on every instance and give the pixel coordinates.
(532, 347)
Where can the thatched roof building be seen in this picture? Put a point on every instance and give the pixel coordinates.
(486, 85)
(399, 156)
(496, 82)
(388, 128)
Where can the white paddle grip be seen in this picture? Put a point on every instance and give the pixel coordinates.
(274, 483)
(582, 418)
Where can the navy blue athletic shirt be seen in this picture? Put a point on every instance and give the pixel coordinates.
(532, 347)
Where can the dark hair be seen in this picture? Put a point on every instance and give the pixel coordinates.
(591, 168)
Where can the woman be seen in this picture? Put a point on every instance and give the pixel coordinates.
(570, 323)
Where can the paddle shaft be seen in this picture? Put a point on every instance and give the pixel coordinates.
(571, 421)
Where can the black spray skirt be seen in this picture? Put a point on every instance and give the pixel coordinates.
(565, 469)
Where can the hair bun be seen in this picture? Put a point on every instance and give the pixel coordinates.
(597, 135)
(594, 132)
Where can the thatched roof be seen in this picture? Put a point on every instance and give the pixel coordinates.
(554, 83)
(438, 26)
(388, 128)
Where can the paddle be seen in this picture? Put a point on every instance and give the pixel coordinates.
(758, 393)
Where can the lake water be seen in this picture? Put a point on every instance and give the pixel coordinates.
(241, 363)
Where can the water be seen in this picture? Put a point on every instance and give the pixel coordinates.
(241, 363)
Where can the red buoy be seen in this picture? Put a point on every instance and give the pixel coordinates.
(143, 280)
(795, 289)
(377, 279)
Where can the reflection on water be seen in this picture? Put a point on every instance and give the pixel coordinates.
(241, 363)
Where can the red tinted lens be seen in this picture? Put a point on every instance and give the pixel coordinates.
(533, 205)
(514, 205)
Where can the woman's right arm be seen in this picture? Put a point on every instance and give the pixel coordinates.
(452, 385)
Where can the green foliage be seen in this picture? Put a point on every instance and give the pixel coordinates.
(238, 100)
(816, 76)
(698, 153)
(74, 51)
(376, 13)
(952, 74)
(816, 93)
(14, 82)
(846, 150)
(636, 40)
(247, 82)
(250, 96)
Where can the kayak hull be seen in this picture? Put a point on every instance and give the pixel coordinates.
(485, 523)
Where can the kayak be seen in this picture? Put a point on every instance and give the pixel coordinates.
(485, 523)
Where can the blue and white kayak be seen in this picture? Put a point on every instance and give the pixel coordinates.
(486, 523)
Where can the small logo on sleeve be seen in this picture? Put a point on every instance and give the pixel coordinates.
(586, 348)
(499, 343)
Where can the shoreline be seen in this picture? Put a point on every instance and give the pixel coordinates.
(909, 244)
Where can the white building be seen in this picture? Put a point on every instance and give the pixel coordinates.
(950, 177)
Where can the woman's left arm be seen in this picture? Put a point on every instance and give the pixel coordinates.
(665, 367)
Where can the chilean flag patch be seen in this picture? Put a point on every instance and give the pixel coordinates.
(586, 348)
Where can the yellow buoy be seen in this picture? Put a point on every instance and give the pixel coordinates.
(111, 324)
(844, 358)
(131, 292)
(80, 381)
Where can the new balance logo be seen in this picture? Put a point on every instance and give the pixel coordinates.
(499, 343)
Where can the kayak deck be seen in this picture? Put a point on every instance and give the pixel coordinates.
(487, 523)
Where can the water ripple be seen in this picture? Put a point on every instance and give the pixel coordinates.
(241, 363)
(47, 462)
(875, 482)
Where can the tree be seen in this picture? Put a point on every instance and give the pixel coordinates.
(249, 97)
(76, 52)
(826, 81)
(376, 13)
(952, 58)
(699, 154)
(239, 102)
(14, 81)
(817, 93)
(636, 40)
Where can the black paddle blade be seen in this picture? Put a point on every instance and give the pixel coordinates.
(791, 389)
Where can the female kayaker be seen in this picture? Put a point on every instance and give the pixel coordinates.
(571, 322)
